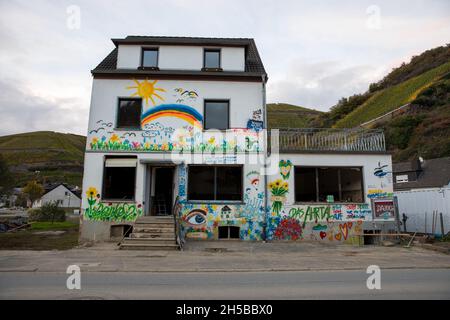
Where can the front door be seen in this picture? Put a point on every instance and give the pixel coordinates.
(162, 195)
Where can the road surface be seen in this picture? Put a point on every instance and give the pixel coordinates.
(395, 284)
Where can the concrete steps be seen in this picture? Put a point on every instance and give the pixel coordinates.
(152, 233)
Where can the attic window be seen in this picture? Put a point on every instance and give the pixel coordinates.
(211, 59)
(149, 58)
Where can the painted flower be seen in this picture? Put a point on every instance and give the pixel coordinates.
(91, 192)
(94, 140)
(285, 185)
(114, 138)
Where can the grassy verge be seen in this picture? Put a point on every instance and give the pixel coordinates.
(29, 240)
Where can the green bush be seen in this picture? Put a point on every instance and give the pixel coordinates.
(49, 212)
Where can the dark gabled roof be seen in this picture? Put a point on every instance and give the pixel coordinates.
(52, 186)
(253, 64)
(434, 173)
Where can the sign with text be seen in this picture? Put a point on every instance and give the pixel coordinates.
(383, 209)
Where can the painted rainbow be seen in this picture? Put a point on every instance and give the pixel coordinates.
(180, 111)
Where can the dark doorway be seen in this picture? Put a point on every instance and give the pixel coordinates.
(163, 195)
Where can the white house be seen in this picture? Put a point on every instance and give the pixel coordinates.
(62, 195)
(177, 126)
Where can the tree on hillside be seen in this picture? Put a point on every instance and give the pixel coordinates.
(6, 178)
(33, 190)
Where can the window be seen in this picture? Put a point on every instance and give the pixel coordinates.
(211, 59)
(149, 58)
(119, 178)
(216, 115)
(401, 178)
(328, 184)
(129, 113)
(229, 232)
(215, 183)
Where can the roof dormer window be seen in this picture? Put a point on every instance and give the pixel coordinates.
(211, 60)
(149, 58)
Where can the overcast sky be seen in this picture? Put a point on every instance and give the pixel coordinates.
(315, 52)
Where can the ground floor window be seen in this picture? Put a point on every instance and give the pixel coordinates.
(119, 179)
(220, 182)
(229, 232)
(328, 184)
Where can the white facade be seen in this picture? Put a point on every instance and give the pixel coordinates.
(62, 195)
(181, 57)
(171, 138)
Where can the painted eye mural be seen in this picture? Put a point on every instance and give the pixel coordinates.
(196, 218)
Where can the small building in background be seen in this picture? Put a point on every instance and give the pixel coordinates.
(62, 194)
(422, 188)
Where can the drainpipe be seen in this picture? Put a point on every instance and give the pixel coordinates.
(266, 155)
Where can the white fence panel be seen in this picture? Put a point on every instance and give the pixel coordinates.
(418, 206)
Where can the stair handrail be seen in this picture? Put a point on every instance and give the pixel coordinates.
(175, 211)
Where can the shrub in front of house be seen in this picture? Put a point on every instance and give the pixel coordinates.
(49, 212)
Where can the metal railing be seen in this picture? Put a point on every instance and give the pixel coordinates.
(357, 139)
(175, 212)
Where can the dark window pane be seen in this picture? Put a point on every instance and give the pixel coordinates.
(223, 232)
(212, 59)
(328, 184)
(150, 58)
(216, 115)
(201, 183)
(234, 232)
(351, 185)
(305, 184)
(119, 183)
(129, 113)
(229, 183)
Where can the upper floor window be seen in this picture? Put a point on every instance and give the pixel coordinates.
(211, 59)
(216, 115)
(149, 58)
(129, 113)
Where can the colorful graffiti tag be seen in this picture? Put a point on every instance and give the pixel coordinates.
(116, 212)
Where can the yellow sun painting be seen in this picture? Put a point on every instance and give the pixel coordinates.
(146, 90)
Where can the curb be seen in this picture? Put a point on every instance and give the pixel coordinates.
(433, 248)
(246, 270)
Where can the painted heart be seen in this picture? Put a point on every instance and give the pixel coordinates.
(322, 234)
(344, 230)
(285, 168)
(338, 237)
(350, 225)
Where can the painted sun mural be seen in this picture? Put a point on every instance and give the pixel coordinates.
(146, 90)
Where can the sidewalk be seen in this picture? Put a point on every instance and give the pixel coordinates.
(225, 257)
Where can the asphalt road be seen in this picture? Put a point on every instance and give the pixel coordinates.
(395, 284)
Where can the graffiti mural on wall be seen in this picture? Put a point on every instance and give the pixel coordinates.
(378, 193)
(180, 111)
(202, 221)
(156, 137)
(288, 229)
(116, 212)
(255, 122)
(278, 189)
(285, 168)
(181, 95)
(146, 90)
